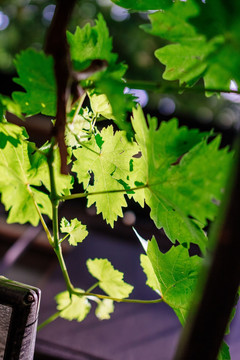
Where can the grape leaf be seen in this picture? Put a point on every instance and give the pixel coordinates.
(109, 165)
(76, 308)
(199, 50)
(75, 229)
(110, 280)
(181, 188)
(36, 76)
(177, 275)
(143, 5)
(104, 308)
(17, 184)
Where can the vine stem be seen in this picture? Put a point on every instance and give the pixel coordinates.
(55, 203)
(83, 195)
(80, 102)
(49, 236)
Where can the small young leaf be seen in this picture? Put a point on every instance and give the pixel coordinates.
(75, 229)
(110, 280)
(104, 308)
(36, 76)
(76, 308)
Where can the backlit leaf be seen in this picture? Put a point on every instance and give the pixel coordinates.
(110, 280)
(76, 308)
(75, 229)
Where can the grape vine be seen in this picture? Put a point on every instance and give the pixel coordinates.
(180, 174)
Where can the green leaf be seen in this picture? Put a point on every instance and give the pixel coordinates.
(17, 184)
(75, 229)
(110, 280)
(177, 275)
(109, 165)
(91, 43)
(36, 76)
(104, 308)
(143, 5)
(182, 187)
(76, 308)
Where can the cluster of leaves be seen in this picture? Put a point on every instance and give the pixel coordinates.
(178, 173)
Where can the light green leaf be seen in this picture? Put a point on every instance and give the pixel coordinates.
(110, 280)
(177, 275)
(36, 76)
(76, 308)
(17, 184)
(110, 166)
(104, 308)
(101, 105)
(182, 188)
(75, 229)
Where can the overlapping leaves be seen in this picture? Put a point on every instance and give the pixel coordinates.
(173, 275)
(199, 50)
(183, 174)
(94, 43)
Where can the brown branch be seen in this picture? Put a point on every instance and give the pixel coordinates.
(216, 295)
(57, 46)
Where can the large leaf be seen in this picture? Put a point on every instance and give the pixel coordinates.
(36, 76)
(183, 177)
(110, 166)
(110, 279)
(175, 274)
(17, 184)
